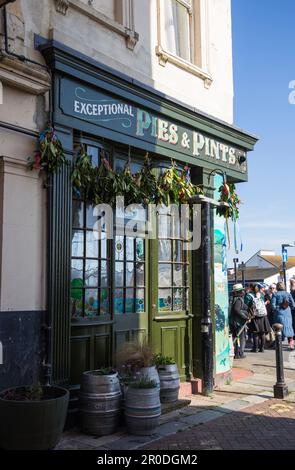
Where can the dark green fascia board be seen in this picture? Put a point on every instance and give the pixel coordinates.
(65, 60)
(90, 128)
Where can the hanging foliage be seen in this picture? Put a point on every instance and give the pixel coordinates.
(102, 184)
(228, 194)
(50, 155)
(175, 187)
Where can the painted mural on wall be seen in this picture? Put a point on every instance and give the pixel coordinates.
(222, 345)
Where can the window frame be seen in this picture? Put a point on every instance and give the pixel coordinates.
(165, 56)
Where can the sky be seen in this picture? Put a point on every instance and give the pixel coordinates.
(264, 65)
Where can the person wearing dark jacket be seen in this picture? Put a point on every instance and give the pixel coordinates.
(238, 318)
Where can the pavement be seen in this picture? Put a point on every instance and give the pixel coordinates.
(239, 415)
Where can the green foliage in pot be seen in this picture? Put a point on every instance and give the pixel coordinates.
(161, 360)
(143, 382)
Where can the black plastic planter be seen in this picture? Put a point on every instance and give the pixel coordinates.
(33, 424)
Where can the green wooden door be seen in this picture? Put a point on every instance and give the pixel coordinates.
(170, 293)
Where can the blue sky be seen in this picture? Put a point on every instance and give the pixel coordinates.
(264, 64)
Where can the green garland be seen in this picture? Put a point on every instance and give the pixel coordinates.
(102, 184)
(50, 155)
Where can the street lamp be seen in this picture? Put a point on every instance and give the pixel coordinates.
(285, 259)
(206, 321)
(236, 260)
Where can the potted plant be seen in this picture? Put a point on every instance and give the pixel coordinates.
(32, 417)
(138, 357)
(169, 378)
(142, 407)
(100, 401)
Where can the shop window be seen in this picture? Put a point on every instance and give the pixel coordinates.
(182, 35)
(91, 263)
(130, 275)
(107, 268)
(173, 266)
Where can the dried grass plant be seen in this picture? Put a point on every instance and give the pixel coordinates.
(135, 355)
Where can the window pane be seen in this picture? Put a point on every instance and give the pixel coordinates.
(164, 226)
(178, 275)
(91, 302)
(129, 248)
(91, 245)
(119, 274)
(139, 249)
(93, 152)
(129, 301)
(178, 300)
(104, 301)
(164, 250)
(177, 250)
(103, 246)
(140, 274)
(165, 300)
(165, 275)
(77, 270)
(104, 280)
(139, 304)
(130, 274)
(90, 218)
(119, 248)
(78, 243)
(76, 303)
(78, 214)
(176, 26)
(119, 301)
(91, 273)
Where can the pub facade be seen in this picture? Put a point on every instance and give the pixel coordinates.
(84, 297)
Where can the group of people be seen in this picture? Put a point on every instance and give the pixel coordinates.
(255, 308)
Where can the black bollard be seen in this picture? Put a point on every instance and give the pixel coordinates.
(280, 388)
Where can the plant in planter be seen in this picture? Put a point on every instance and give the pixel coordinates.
(142, 407)
(100, 401)
(32, 417)
(169, 378)
(140, 359)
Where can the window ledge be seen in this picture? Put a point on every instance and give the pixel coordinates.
(130, 35)
(165, 57)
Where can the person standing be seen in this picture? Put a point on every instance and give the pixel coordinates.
(259, 324)
(292, 292)
(282, 303)
(238, 317)
(267, 298)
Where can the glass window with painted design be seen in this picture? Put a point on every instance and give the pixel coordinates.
(90, 260)
(173, 266)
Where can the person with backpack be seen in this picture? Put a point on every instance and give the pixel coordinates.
(259, 325)
(238, 318)
(282, 303)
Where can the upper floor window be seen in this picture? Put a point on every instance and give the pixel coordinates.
(183, 35)
(177, 21)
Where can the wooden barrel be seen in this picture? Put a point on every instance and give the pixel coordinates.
(100, 400)
(142, 410)
(150, 373)
(169, 383)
